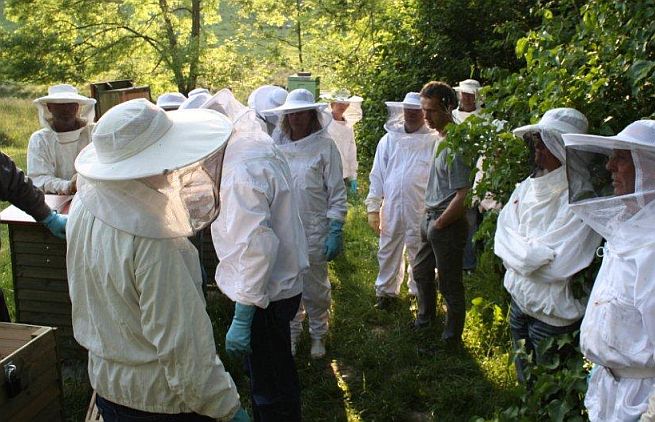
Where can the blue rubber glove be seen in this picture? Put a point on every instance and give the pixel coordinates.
(56, 223)
(334, 241)
(237, 339)
(353, 186)
(241, 416)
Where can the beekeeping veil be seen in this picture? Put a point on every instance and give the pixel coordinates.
(65, 93)
(551, 126)
(152, 173)
(264, 98)
(244, 119)
(298, 100)
(353, 113)
(396, 114)
(625, 217)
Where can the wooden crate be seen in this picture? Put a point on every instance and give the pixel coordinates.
(92, 414)
(110, 93)
(33, 391)
(38, 261)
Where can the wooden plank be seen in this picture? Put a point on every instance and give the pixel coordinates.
(42, 260)
(13, 214)
(43, 295)
(39, 248)
(27, 413)
(49, 308)
(53, 411)
(55, 320)
(92, 414)
(29, 283)
(39, 272)
(36, 233)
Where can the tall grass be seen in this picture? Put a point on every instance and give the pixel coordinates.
(376, 368)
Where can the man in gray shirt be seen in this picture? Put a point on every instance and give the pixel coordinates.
(444, 228)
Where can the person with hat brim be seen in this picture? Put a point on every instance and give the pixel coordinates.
(264, 98)
(613, 190)
(170, 101)
(468, 93)
(147, 182)
(262, 251)
(346, 111)
(397, 192)
(195, 101)
(18, 189)
(444, 227)
(66, 119)
(543, 245)
(315, 166)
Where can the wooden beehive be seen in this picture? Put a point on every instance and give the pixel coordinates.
(30, 379)
(38, 261)
(108, 94)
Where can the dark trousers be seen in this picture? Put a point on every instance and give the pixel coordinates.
(273, 378)
(442, 250)
(473, 219)
(112, 412)
(532, 331)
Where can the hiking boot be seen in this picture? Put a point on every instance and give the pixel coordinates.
(318, 348)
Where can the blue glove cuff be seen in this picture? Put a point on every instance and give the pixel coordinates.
(336, 225)
(49, 218)
(244, 313)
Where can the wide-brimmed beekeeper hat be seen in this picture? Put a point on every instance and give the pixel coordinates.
(197, 91)
(297, 100)
(341, 96)
(64, 93)
(469, 86)
(171, 100)
(137, 139)
(195, 101)
(411, 100)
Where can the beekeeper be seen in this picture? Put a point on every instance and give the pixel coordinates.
(262, 254)
(541, 242)
(468, 94)
(395, 201)
(66, 119)
(264, 98)
(147, 182)
(469, 104)
(346, 111)
(170, 101)
(315, 166)
(618, 329)
(18, 189)
(196, 100)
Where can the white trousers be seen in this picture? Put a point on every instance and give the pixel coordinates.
(316, 300)
(391, 258)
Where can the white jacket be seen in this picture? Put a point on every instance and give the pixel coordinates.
(399, 177)
(258, 235)
(51, 157)
(139, 310)
(542, 244)
(618, 331)
(315, 166)
(343, 135)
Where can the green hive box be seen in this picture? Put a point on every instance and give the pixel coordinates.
(305, 80)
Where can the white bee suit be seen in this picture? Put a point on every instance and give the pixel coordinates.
(51, 155)
(397, 190)
(317, 175)
(343, 135)
(618, 330)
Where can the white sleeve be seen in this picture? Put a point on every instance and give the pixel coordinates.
(574, 244)
(41, 167)
(644, 292)
(518, 253)
(376, 177)
(351, 156)
(246, 217)
(175, 321)
(333, 178)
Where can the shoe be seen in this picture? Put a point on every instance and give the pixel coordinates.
(384, 302)
(318, 348)
(452, 345)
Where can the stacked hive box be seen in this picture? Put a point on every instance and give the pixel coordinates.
(30, 380)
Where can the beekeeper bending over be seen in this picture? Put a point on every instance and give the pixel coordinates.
(395, 201)
(614, 193)
(542, 243)
(264, 98)
(262, 254)
(318, 185)
(147, 182)
(66, 119)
